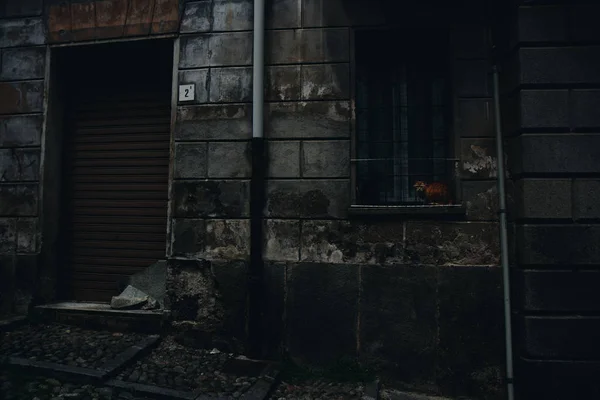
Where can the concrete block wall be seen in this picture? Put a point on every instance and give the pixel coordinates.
(555, 76)
(22, 67)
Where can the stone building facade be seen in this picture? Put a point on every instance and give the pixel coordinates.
(414, 291)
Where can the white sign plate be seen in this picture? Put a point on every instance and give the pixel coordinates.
(187, 92)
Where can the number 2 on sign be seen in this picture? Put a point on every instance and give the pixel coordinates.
(186, 92)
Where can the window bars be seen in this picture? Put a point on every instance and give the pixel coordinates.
(402, 118)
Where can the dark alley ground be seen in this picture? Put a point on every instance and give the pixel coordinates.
(53, 361)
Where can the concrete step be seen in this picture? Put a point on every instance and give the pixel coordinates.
(101, 316)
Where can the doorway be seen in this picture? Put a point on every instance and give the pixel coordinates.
(115, 167)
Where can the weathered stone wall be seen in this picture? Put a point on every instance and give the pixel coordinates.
(22, 66)
(554, 76)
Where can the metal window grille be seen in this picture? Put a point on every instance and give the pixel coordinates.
(402, 107)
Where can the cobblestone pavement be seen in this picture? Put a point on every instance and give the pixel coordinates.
(169, 366)
(66, 345)
(174, 366)
(318, 390)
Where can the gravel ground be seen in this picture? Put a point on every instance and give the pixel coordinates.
(318, 390)
(20, 387)
(173, 366)
(65, 344)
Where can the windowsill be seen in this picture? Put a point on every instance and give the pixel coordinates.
(414, 210)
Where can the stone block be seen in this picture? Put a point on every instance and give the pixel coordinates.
(190, 161)
(584, 111)
(282, 14)
(452, 243)
(214, 50)
(230, 85)
(233, 287)
(571, 338)
(8, 235)
(227, 239)
(472, 78)
(83, 20)
(475, 117)
(375, 243)
(559, 153)
(206, 122)
(322, 312)
(326, 159)
(22, 32)
(23, 63)
(188, 238)
(318, 119)
(27, 235)
(221, 45)
(578, 291)
(325, 45)
(196, 17)
(212, 199)
(582, 22)
(111, 16)
(282, 83)
(19, 165)
(544, 198)
(229, 160)
(543, 24)
(404, 300)
(480, 199)
(471, 330)
(282, 240)
(16, 131)
(544, 108)
(560, 65)
(199, 78)
(139, 18)
(166, 16)
(59, 20)
(470, 42)
(21, 97)
(307, 199)
(564, 245)
(585, 198)
(21, 8)
(284, 159)
(194, 51)
(325, 82)
(478, 159)
(19, 200)
(233, 15)
(283, 47)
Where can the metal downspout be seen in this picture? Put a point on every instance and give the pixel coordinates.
(256, 303)
(503, 238)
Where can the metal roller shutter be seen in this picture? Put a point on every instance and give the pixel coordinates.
(117, 187)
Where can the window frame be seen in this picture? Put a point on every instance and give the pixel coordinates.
(453, 141)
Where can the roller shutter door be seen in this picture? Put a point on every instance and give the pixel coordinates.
(117, 190)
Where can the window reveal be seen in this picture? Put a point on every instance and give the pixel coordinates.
(402, 120)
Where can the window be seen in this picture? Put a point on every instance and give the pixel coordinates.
(403, 118)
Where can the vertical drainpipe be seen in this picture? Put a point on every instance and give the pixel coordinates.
(503, 239)
(256, 301)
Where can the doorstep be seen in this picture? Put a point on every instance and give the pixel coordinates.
(102, 316)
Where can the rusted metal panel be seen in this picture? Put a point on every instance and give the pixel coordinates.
(166, 16)
(110, 18)
(139, 17)
(118, 179)
(83, 20)
(59, 21)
